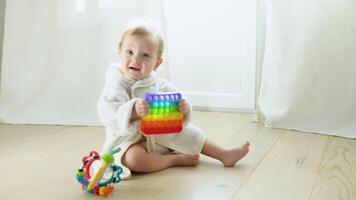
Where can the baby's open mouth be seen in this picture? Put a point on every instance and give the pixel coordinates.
(136, 69)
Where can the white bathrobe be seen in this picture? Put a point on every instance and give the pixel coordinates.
(115, 107)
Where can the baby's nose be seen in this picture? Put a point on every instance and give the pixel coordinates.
(137, 59)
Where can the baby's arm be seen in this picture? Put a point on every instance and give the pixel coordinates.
(107, 107)
(115, 109)
(119, 115)
(139, 110)
(184, 106)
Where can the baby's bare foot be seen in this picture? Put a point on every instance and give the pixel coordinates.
(233, 155)
(186, 159)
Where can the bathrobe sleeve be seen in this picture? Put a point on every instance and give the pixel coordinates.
(165, 86)
(115, 107)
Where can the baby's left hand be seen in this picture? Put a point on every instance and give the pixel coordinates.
(184, 107)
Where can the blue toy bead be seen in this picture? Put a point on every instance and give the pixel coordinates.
(166, 97)
(83, 181)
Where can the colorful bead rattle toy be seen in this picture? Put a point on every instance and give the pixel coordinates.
(164, 116)
(93, 184)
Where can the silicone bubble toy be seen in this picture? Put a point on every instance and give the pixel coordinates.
(95, 184)
(164, 116)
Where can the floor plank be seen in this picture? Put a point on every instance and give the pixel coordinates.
(39, 162)
(44, 168)
(289, 169)
(220, 125)
(337, 173)
(210, 180)
(24, 133)
(42, 165)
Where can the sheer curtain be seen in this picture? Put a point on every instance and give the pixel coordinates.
(56, 53)
(308, 78)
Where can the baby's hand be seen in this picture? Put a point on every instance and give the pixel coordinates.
(184, 107)
(141, 108)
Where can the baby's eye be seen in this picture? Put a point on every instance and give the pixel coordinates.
(146, 55)
(128, 51)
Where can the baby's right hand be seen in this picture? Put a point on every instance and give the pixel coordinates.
(141, 108)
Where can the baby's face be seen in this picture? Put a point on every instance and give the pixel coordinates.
(139, 56)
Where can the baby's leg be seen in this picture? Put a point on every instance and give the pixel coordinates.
(228, 157)
(138, 159)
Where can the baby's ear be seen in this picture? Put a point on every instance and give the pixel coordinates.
(159, 62)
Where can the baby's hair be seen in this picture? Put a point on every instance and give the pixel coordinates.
(142, 31)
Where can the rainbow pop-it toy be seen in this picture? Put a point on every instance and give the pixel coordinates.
(164, 116)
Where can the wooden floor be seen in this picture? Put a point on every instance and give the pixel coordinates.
(40, 162)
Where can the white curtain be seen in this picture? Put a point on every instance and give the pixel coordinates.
(309, 67)
(55, 56)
